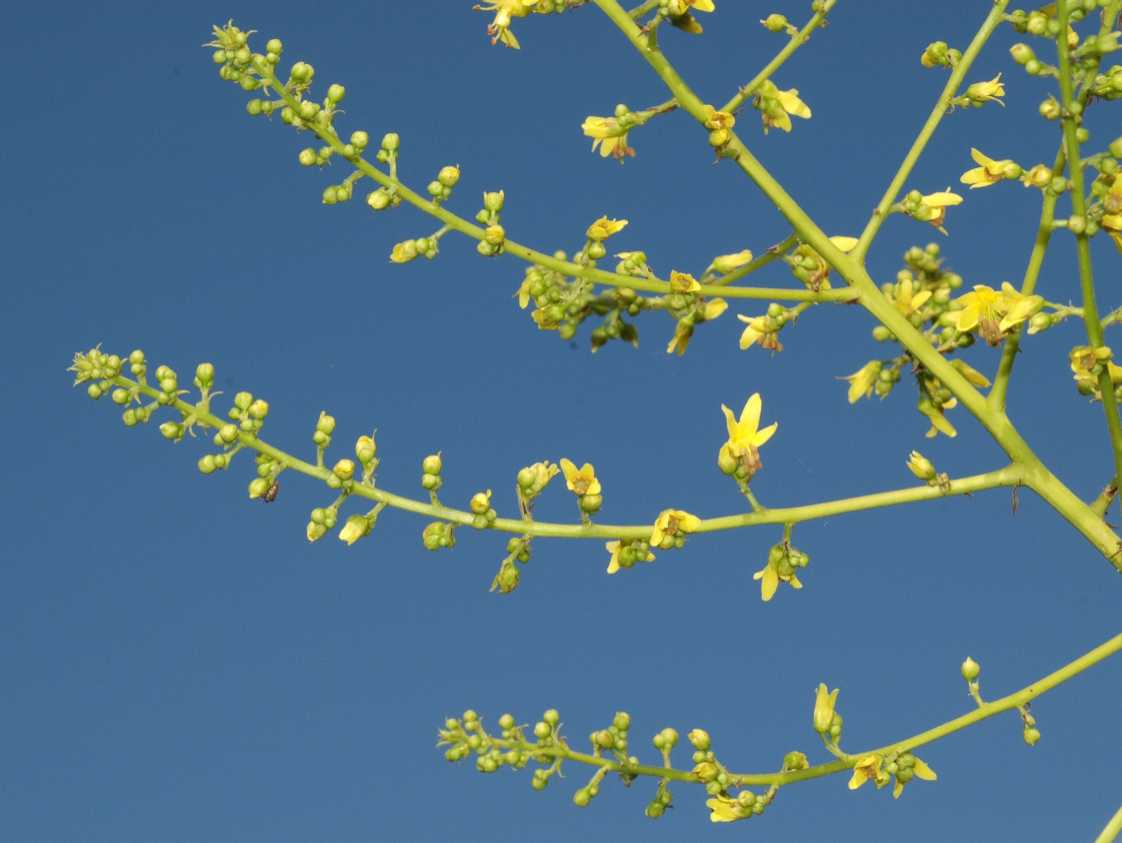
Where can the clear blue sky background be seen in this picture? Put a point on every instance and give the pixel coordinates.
(180, 664)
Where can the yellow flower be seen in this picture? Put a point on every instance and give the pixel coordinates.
(719, 119)
(939, 422)
(1112, 203)
(724, 264)
(824, 701)
(932, 207)
(609, 135)
(604, 228)
(670, 524)
(745, 434)
(979, 307)
(868, 769)
(679, 13)
(758, 331)
(724, 809)
(862, 381)
(990, 171)
(580, 481)
(907, 300)
(1017, 307)
(918, 769)
(683, 282)
(777, 107)
(990, 91)
(505, 10)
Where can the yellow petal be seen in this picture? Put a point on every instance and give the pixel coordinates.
(967, 319)
(730, 422)
(857, 779)
(897, 789)
(845, 244)
(924, 772)
(769, 582)
(762, 436)
(715, 308)
(569, 470)
(750, 415)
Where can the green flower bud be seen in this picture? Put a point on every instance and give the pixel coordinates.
(775, 23)
(699, 738)
(494, 201)
(335, 93)
(1032, 735)
(258, 486)
(259, 409)
(448, 176)
(494, 235)
(551, 716)
(432, 464)
(582, 797)
(591, 503)
(204, 374)
(366, 449)
(391, 141)
(171, 430)
(344, 469)
(480, 502)
(1021, 53)
(242, 400)
(970, 669)
(206, 464)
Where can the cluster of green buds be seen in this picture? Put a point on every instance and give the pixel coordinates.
(417, 247)
(490, 215)
(467, 736)
(265, 486)
(626, 554)
(562, 305)
(764, 330)
(248, 412)
(432, 467)
(724, 804)
(690, 308)
(440, 188)
(811, 268)
(483, 514)
(236, 62)
(322, 520)
(509, 575)
(783, 564)
(939, 54)
(439, 535)
(1088, 365)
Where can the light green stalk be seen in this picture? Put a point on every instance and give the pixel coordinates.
(1037, 477)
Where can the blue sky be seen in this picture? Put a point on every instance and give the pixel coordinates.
(180, 664)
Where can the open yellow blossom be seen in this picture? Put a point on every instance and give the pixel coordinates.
(505, 10)
(724, 264)
(862, 381)
(613, 548)
(670, 524)
(990, 91)
(824, 702)
(724, 809)
(932, 207)
(758, 330)
(679, 12)
(777, 107)
(907, 300)
(868, 769)
(745, 434)
(604, 228)
(609, 135)
(580, 481)
(918, 770)
(719, 119)
(990, 171)
(981, 309)
(683, 282)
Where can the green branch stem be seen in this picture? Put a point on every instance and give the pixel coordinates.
(982, 712)
(1112, 829)
(941, 108)
(1037, 476)
(766, 72)
(1043, 237)
(1009, 476)
(1070, 121)
(599, 276)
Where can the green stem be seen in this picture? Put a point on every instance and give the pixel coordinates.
(796, 41)
(1038, 477)
(770, 255)
(992, 21)
(457, 223)
(1000, 388)
(1112, 829)
(983, 712)
(1008, 476)
(1070, 121)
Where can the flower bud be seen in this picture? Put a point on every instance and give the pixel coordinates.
(775, 23)
(356, 527)
(970, 669)
(366, 449)
(921, 466)
(493, 201)
(258, 486)
(699, 738)
(432, 464)
(448, 176)
(391, 141)
(344, 469)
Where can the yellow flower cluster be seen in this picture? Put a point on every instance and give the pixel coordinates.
(777, 107)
